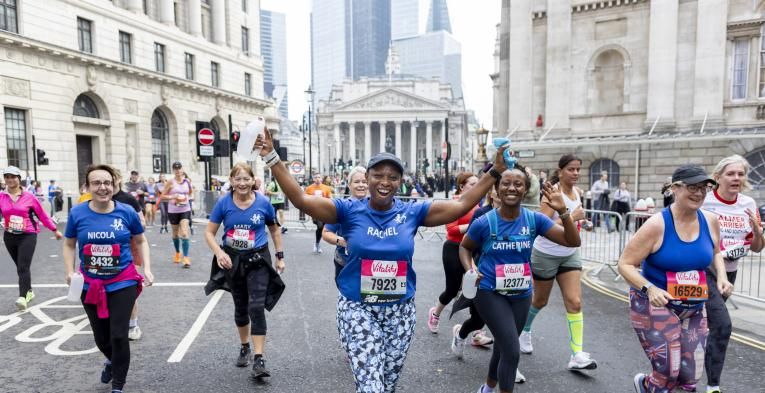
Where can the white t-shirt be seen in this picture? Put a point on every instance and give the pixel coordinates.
(546, 245)
(735, 229)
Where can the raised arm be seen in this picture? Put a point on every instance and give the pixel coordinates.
(44, 217)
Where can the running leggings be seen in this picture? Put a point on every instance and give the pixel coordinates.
(453, 271)
(473, 323)
(22, 249)
(249, 293)
(505, 317)
(674, 344)
(163, 213)
(376, 339)
(319, 230)
(720, 329)
(111, 334)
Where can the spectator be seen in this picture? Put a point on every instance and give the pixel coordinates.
(666, 192)
(532, 195)
(600, 199)
(622, 201)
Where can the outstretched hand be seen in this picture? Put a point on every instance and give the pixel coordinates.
(499, 160)
(264, 143)
(553, 197)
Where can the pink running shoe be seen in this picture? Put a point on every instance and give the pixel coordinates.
(433, 320)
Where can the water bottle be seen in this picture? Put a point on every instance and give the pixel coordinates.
(469, 287)
(76, 283)
(248, 137)
(509, 160)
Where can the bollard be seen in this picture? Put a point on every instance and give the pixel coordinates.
(69, 202)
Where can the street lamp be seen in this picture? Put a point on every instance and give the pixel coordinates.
(309, 93)
(482, 134)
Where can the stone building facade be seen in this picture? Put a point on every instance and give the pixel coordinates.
(633, 87)
(123, 82)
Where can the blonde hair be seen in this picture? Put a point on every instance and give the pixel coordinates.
(734, 159)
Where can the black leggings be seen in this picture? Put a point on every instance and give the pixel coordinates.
(163, 213)
(22, 249)
(505, 317)
(319, 229)
(453, 271)
(473, 323)
(720, 329)
(111, 334)
(249, 293)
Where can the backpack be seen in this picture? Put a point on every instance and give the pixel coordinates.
(492, 217)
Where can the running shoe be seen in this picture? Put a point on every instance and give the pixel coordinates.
(433, 320)
(284, 230)
(519, 378)
(458, 344)
(318, 249)
(485, 389)
(582, 361)
(525, 341)
(692, 388)
(177, 258)
(134, 333)
(244, 356)
(259, 368)
(116, 390)
(480, 339)
(713, 391)
(639, 381)
(21, 304)
(186, 262)
(30, 296)
(315, 249)
(106, 373)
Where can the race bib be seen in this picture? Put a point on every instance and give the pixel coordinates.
(16, 224)
(690, 285)
(513, 277)
(152, 197)
(733, 249)
(134, 194)
(181, 200)
(318, 193)
(101, 259)
(382, 281)
(240, 239)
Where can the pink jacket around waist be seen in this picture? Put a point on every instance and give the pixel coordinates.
(26, 204)
(97, 288)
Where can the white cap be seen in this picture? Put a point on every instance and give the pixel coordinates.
(12, 170)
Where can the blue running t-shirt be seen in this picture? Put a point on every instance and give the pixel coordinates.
(244, 229)
(507, 261)
(380, 248)
(103, 241)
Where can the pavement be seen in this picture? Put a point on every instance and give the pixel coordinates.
(190, 344)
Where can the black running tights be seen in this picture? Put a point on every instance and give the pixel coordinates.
(453, 271)
(249, 294)
(22, 248)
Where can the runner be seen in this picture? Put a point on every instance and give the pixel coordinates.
(276, 196)
(137, 188)
(150, 198)
(320, 190)
(375, 309)
(246, 260)
(505, 236)
(163, 203)
(667, 297)
(740, 231)
(21, 212)
(176, 192)
(551, 261)
(101, 231)
(333, 233)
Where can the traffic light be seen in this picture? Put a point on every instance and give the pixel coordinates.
(41, 159)
(426, 164)
(234, 140)
(438, 162)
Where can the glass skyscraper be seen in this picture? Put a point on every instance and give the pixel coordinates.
(273, 46)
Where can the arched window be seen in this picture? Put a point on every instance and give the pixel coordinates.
(85, 107)
(160, 141)
(757, 173)
(608, 165)
(608, 83)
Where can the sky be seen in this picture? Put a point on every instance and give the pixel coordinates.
(473, 24)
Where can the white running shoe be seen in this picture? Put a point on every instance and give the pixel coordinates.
(21, 304)
(480, 389)
(519, 378)
(480, 339)
(134, 333)
(582, 361)
(525, 342)
(458, 344)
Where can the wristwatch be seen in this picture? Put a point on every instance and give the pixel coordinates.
(644, 289)
(279, 254)
(495, 173)
(564, 215)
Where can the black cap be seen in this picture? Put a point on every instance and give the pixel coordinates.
(386, 157)
(177, 165)
(133, 172)
(691, 174)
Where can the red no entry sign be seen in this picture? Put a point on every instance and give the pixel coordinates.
(206, 137)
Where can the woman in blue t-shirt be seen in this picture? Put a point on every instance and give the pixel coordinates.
(100, 231)
(333, 233)
(244, 255)
(375, 309)
(505, 236)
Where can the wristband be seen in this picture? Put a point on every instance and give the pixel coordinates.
(564, 215)
(495, 173)
(273, 162)
(279, 254)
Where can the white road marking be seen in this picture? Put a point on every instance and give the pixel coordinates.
(192, 334)
(156, 284)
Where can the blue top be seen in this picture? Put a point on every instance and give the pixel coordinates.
(103, 241)
(244, 229)
(378, 235)
(676, 255)
(513, 244)
(337, 229)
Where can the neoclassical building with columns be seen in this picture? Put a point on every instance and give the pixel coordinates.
(404, 116)
(123, 82)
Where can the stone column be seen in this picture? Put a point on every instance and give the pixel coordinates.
(709, 81)
(383, 130)
(413, 147)
(219, 21)
(338, 148)
(367, 141)
(195, 17)
(167, 12)
(352, 141)
(662, 61)
(429, 141)
(135, 6)
(558, 59)
(398, 152)
(521, 78)
(443, 132)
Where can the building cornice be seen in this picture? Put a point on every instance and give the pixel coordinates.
(602, 4)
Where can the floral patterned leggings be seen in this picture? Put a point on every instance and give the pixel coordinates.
(376, 339)
(674, 343)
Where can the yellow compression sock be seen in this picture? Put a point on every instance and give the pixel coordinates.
(575, 331)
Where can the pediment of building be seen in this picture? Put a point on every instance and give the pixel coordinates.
(391, 100)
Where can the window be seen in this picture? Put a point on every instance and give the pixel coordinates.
(85, 35)
(244, 5)
(16, 137)
(85, 107)
(610, 167)
(762, 62)
(160, 141)
(214, 74)
(126, 55)
(189, 66)
(740, 68)
(247, 84)
(159, 57)
(246, 40)
(608, 83)
(8, 20)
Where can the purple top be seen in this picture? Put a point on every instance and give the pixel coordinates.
(179, 205)
(17, 216)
